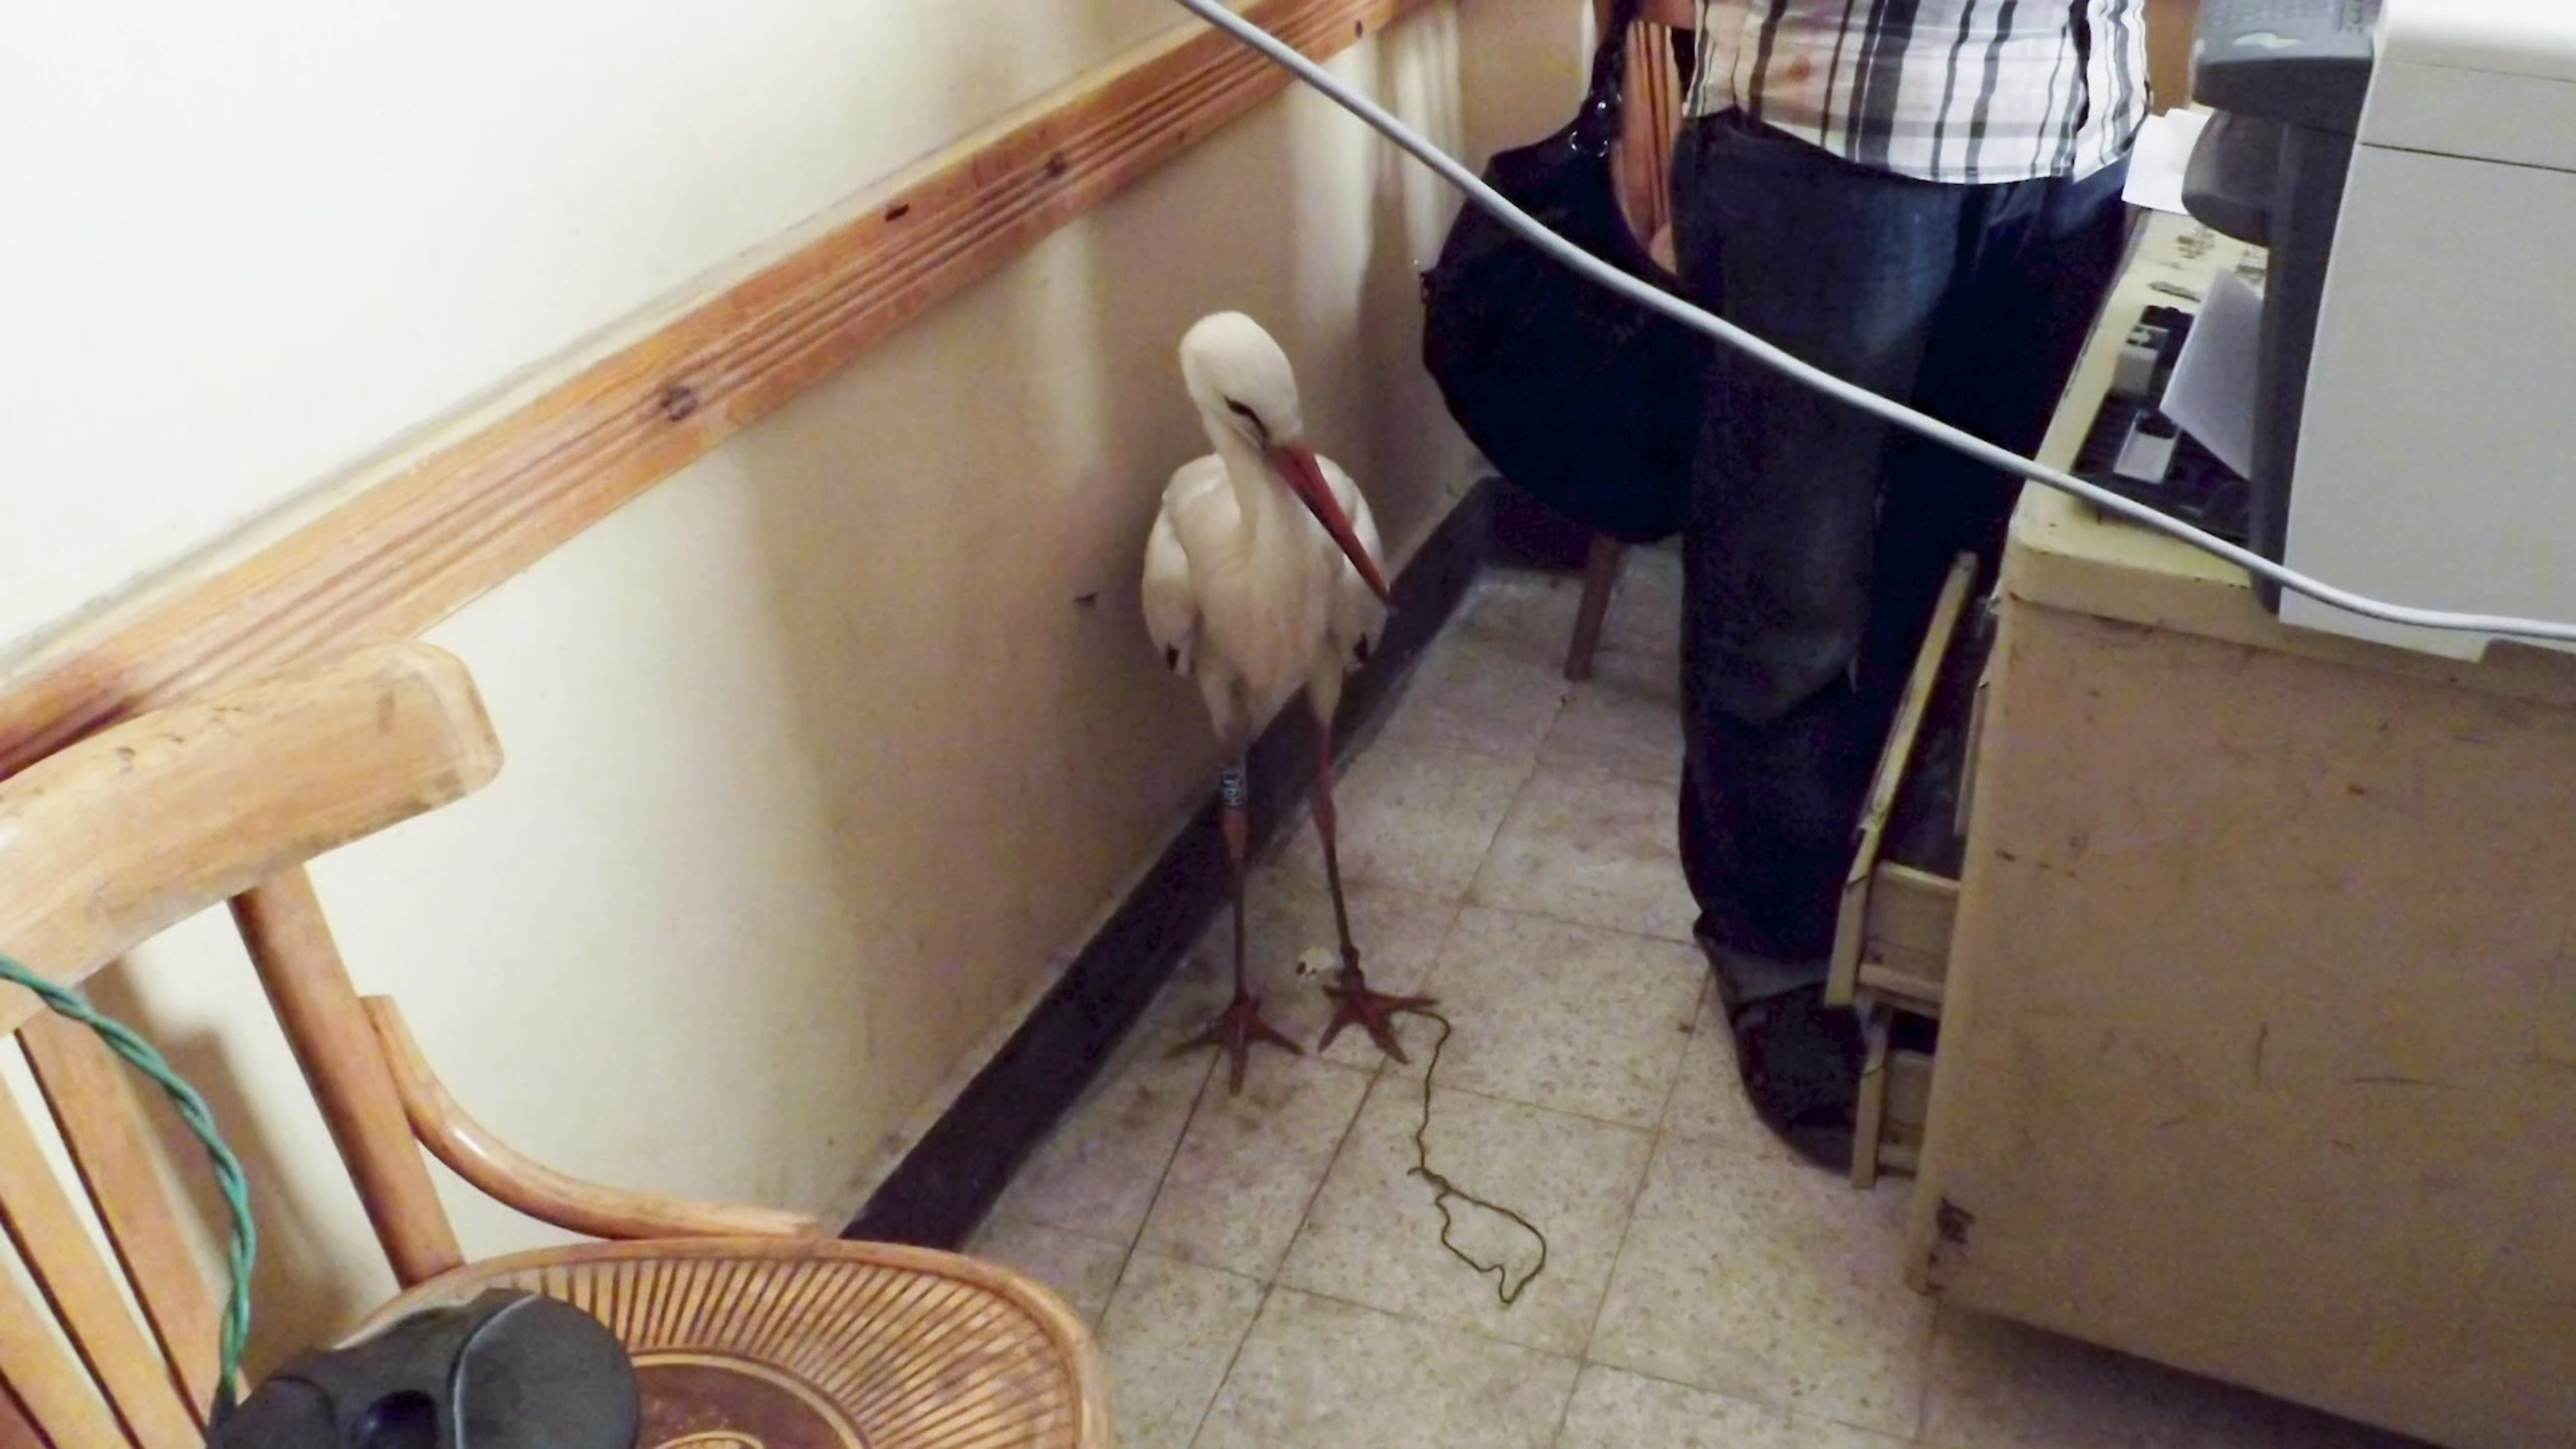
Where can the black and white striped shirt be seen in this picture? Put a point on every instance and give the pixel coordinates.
(1945, 90)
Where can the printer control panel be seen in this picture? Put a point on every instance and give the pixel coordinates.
(2302, 62)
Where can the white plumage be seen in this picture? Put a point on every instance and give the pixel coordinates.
(1262, 575)
(1246, 589)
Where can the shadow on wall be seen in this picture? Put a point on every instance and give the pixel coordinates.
(953, 530)
(298, 1294)
(1411, 215)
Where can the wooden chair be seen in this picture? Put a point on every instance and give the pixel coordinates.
(1642, 164)
(748, 1326)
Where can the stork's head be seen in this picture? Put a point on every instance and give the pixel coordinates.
(1241, 381)
(1245, 389)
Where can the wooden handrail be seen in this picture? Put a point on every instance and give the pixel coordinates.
(431, 525)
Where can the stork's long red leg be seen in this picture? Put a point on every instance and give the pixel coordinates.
(1353, 1002)
(1239, 1026)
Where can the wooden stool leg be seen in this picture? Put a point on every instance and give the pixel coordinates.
(1600, 576)
(1871, 1118)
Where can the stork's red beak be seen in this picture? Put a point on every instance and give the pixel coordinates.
(1296, 463)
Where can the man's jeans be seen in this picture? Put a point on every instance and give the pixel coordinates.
(1818, 537)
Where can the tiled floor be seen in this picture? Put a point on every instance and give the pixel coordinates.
(1265, 1273)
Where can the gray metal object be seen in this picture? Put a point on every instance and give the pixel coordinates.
(2300, 62)
(2233, 172)
(2287, 79)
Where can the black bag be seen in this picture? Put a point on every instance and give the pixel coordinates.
(1580, 396)
(507, 1371)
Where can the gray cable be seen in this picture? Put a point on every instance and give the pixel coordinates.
(1940, 432)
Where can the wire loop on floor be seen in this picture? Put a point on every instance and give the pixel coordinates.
(1444, 1191)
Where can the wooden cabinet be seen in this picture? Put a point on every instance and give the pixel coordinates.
(1900, 902)
(2258, 1021)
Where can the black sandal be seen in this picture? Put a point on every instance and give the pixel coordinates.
(1801, 1062)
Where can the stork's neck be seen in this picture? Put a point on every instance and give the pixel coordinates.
(1258, 492)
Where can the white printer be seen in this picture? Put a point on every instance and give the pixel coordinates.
(2412, 166)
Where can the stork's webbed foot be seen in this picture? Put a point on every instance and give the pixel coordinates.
(1234, 1032)
(1354, 1004)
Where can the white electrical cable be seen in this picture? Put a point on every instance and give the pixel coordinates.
(1647, 295)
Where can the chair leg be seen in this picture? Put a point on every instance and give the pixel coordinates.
(1600, 576)
(1870, 1124)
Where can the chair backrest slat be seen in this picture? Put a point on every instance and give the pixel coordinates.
(308, 986)
(108, 1321)
(46, 1386)
(59, 1254)
(94, 1103)
(15, 1425)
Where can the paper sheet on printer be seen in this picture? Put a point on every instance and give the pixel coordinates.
(2159, 158)
(2211, 393)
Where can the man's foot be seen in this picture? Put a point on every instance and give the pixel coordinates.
(1801, 1062)
(1233, 1032)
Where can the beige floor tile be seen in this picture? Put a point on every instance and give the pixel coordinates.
(1770, 1287)
(1417, 816)
(1320, 1374)
(1708, 1103)
(1613, 1409)
(1081, 1270)
(1997, 1385)
(1645, 615)
(2000, 1385)
(1574, 1018)
(1480, 693)
(1248, 1165)
(1530, 609)
(1749, 1276)
(1535, 609)
(1593, 848)
(1625, 720)
(1399, 935)
(1200, 986)
(1166, 1342)
(2241, 1419)
(1806, 1432)
(1373, 1236)
(1097, 1172)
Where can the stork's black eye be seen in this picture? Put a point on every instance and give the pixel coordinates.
(1249, 416)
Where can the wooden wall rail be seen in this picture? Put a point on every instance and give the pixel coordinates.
(412, 538)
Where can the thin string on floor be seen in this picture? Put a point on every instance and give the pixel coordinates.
(1445, 1191)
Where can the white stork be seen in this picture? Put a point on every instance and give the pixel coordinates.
(1261, 575)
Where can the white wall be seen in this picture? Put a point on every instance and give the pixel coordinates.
(816, 769)
(265, 238)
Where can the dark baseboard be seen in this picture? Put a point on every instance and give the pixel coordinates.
(949, 1180)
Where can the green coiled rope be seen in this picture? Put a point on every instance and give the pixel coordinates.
(241, 1252)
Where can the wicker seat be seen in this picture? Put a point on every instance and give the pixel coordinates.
(748, 1326)
(740, 1341)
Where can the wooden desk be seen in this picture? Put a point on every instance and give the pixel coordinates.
(2258, 1056)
